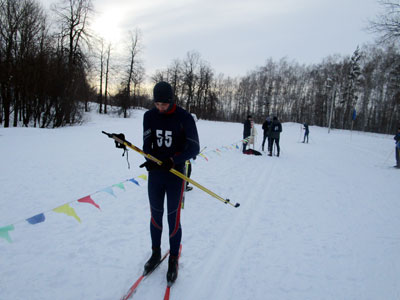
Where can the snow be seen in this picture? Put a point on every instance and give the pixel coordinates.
(319, 222)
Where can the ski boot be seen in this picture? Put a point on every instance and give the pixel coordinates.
(172, 272)
(153, 262)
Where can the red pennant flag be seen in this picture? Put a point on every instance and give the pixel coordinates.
(89, 200)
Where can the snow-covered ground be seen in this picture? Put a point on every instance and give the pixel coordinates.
(322, 221)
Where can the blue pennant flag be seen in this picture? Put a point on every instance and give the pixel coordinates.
(354, 115)
(134, 181)
(109, 190)
(36, 219)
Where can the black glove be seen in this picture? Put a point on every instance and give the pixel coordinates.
(167, 164)
(121, 136)
(150, 165)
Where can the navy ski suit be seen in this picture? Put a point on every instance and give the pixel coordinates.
(397, 149)
(173, 134)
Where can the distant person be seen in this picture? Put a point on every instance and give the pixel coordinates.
(306, 132)
(265, 127)
(188, 163)
(274, 134)
(189, 172)
(246, 132)
(397, 149)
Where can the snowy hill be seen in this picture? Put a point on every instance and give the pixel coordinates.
(319, 222)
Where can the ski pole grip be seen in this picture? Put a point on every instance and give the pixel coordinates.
(107, 134)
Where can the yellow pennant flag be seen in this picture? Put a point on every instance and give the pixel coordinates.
(143, 176)
(68, 210)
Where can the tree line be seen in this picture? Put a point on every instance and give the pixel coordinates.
(366, 83)
(43, 77)
(49, 73)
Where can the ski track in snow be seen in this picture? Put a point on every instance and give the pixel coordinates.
(232, 247)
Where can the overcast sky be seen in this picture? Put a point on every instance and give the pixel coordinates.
(237, 36)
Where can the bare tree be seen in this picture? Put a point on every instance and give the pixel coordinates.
(100, 96)
(107, 74)
(134, 73)
(189, 69)
(387, 23)
(73, 20)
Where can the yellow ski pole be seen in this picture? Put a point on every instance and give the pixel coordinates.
(173, 171)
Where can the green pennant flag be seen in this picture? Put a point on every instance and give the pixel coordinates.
(120, 185)
(4, 232)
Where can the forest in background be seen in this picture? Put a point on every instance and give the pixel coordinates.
(49, 71)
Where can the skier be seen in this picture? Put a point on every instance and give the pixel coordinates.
(265, 127)
(246, 132)
(397, 149)
(306, 132)
(274, 134)
(169, 134)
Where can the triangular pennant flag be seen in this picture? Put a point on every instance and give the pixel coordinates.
(4, 232)
(203, 156)
(237, 147)
(36, 219)
(68, 210)
(143, 176)
(120, 185)
(134, 181)
(89, 200)
(109, 190)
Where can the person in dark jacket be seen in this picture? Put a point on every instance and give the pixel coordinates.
(265, 127)
(274, 134)
(246, 132)
(306, 132)
(397, 149)
(170, 135)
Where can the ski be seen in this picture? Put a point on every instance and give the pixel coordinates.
(133, 288)
(169, 284)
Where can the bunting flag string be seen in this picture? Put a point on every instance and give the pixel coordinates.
(69, 211)
(66, 208)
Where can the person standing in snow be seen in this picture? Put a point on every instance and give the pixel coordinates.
(306, 132)
(189, 163)
(397, 149)
(170, 135)
(265, 127)
(274, 134)
(246, 132)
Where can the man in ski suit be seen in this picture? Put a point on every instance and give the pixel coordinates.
(306, 132)
(397, 139)
(246, 132)
(265, 127)
(169, 134)
(274, 134)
